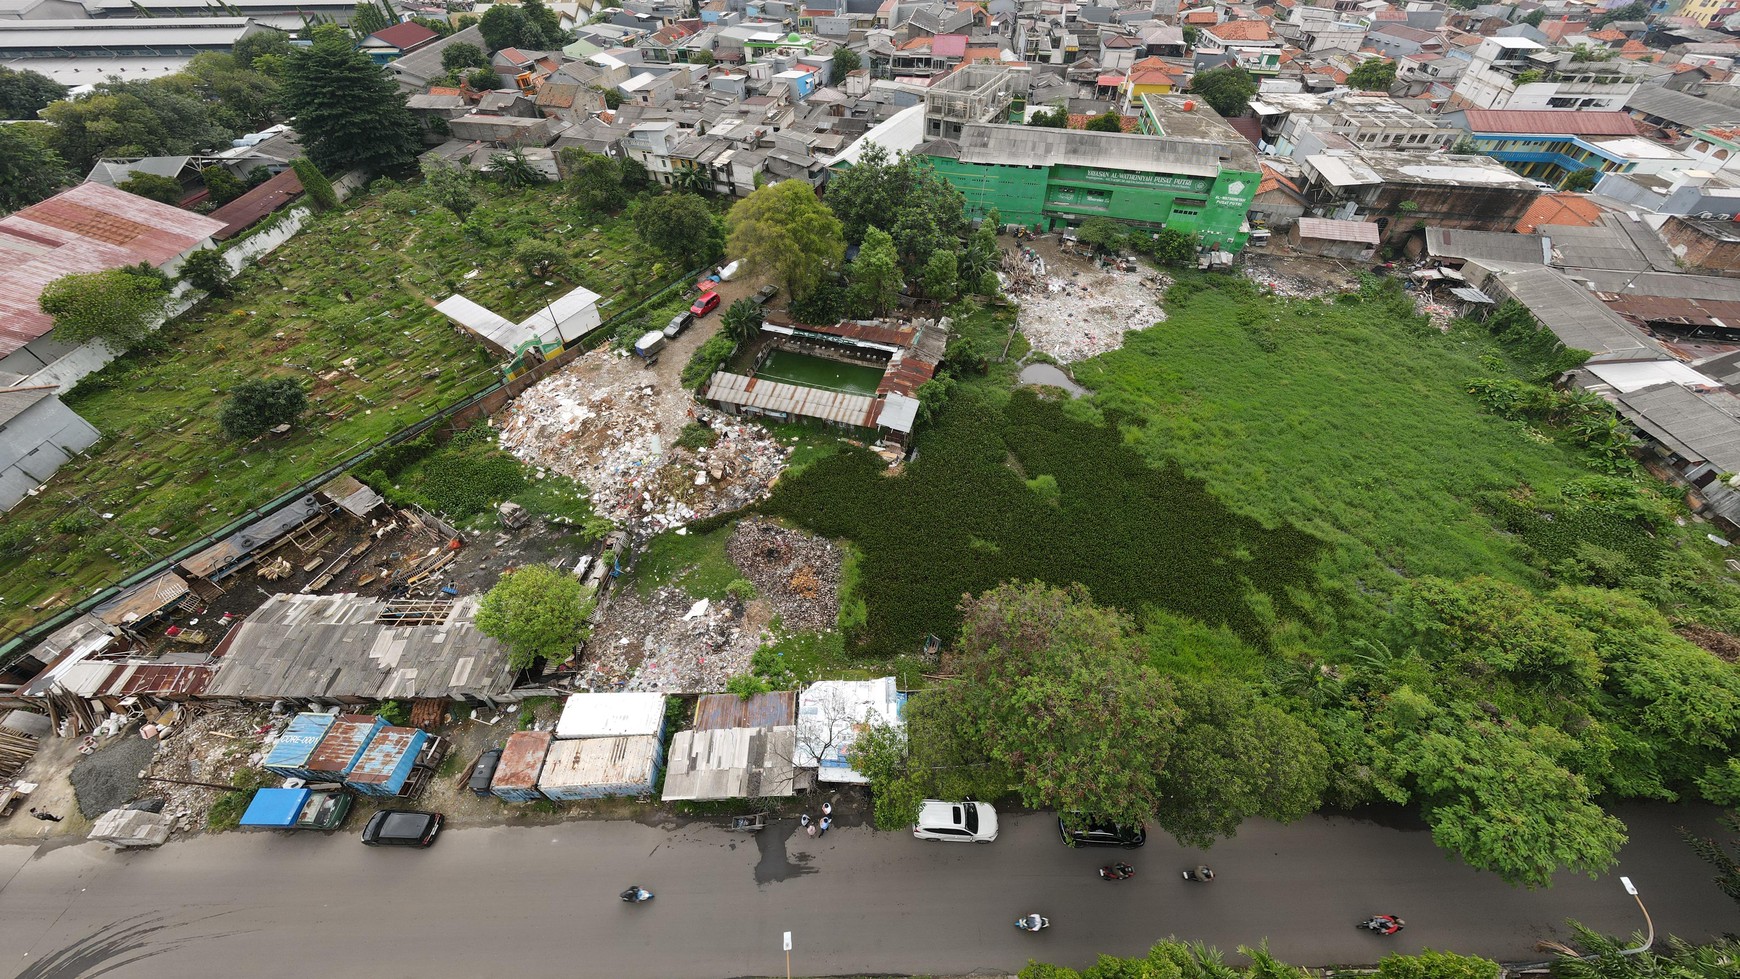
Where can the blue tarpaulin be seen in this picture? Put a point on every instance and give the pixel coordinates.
(275, 808)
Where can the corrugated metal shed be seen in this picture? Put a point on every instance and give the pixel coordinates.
(87, 228)
(290, 753)
(734, 763)
(142, 600)
(386, 764)
(594, 768)
(329, 646)
(1576, 317)
(1684, 111)
(522, 761)
(351, 495)
(344, 743)
(1456, 243)
(612, 715)
(774, 397)
(1686, 424)
(1326, 229)
(721, 711)
(232, 553)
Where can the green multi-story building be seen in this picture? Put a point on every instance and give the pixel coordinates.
(1186, 170)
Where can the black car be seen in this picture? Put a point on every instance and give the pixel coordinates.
(764, 294)
(483, 772)
(402, 827)
(1094, 832)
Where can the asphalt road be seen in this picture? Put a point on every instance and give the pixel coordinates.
(542, 901)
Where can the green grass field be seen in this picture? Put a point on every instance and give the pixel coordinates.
(344, 306)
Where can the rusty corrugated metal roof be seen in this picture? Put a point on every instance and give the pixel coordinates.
(247, 210)
(522, 760)
(718, 711)
(88, 228)
(159, 681)
(791, 399)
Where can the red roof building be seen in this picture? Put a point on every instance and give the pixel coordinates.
(89, 228)
(404, 37)
(252, 207)
(1549, 122)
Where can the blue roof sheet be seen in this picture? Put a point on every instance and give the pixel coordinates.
(275, 807)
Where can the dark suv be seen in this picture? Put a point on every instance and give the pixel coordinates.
(483, 772)
(402, 827)
(1094, 832)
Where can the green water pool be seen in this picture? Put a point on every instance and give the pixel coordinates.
(819, 372)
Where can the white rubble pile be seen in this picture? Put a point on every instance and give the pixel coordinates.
(609, 424)
(1073, 310)
(209, 747)
(668, 643)
(1288, 286)
(1439, 313)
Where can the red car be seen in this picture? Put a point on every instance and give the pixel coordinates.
(708, 302)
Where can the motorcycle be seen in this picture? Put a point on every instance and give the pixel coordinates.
(1200, 875)
(1382, 924)
(636, 894)
(1033, 922)
(1117, 871)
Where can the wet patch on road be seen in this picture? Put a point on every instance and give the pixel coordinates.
(776, 864)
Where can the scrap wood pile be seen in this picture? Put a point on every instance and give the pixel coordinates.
(15, 750)
(613, 427)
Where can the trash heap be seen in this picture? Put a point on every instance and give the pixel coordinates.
(211, 745)
(1073, 309)
(666, 642)
(1287, 286)
(611, 425)
(798, 574)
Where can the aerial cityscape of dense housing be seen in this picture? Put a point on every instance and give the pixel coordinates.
(1294, 436)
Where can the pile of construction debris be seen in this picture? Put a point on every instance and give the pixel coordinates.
(666, 642)
(1439, 313)
(612, 426)
(1288, 286)
(798, 574)
(207, 744)
(1073, 309)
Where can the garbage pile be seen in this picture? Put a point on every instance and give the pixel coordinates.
(210, 746)
(1440, 313)
(796, 573)
(668, 643)
(609, 424)
(1072, 309)
(1288, 286)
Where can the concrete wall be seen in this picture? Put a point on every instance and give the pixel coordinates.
(1474, 208)
(36, 443)
(1716, 253)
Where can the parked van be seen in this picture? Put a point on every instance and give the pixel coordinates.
(647, 346)
(678, 324)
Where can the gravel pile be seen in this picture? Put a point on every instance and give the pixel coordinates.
(109, 778)
(797, 573)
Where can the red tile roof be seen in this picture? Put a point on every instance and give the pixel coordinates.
(245, 211)
(1561, 209)
(407, 36)
(1242, 30)
(1551, 122)
(89, 228)
(1201, 17)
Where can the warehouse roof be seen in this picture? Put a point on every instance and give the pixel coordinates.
(1031, 146)
(337, 646)
(125, 34)
(1497, 246)
(87, 228)
(15, 401)
(1551, 122)
(1579, 319)
(1685, 111)
(1686, 423)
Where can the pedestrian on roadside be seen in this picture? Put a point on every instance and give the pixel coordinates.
(827, 810)
(827, 821)
(44, 815)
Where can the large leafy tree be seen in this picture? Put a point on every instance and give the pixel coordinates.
(538, 612)
(131, 119)
(1373, 75)
(786, 230)
(875, 275)
(1106, 122)
(153, 186)
(846, 61)
(350, 113)
(529, 25)
(595, 181)
(451, 187)
(24, 93)
(29, 171)
(238, 98)
(258, 406)
(458, 57)
(249, 48)
(905, 197)
(1228, 90)
(117, 307)
(681, 228)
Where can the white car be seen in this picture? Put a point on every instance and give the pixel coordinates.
(962, 822)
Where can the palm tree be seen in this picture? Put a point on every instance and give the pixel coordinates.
(514, 170)
(694, 179)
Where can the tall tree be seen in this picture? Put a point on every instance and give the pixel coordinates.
(1373, 75)
(24, 93)
(238, 98)
(529, 25)
(451, 187)
(875, 275)
(249, 48)
(538, 612)
(222, 185)
(350, 113)
(118, 307)
(941, 277)
(206, 271)
(370, 17)
(1106, 122)
(786, 230)
(153, 186)
(1056, 117)
(1228, 90)
(256, 407)
(681, 228)
(846, 61)
(905, 197)
(594, 180)
(29, 171)
(456, 57)
(131, 119)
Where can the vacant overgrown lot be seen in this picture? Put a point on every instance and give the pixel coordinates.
(345, 308)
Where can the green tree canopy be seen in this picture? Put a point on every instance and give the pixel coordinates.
(742, 319)
(140, 118)
(784, 229)
(1056, 117)
(681, 228)
(846, 61)
(350, 113)
(256, 407)
(153, 186)
(595, 181)
(461, 55)
(1373, 75)
(451, 187)
(527, 25)
(24, 93)
(222, 185)
(1228, 90)
(1436, 965)
(1637, 10)
(369, 17)
(206, 271)
(1102, 233)
(875, 275)
(1106, 122)
(1583, 179)
(921, 211)
(249, 48)
(941, 277)
(539, 256)
(118, 307)
(238, 99)
(538, 612)
(29, 171)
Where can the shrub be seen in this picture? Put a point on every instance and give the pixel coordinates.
(740, 589)
(711, 356)
(256, 407)
(697, 436)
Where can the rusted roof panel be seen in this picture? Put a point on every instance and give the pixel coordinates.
(249, 209)
(159, 681)
(142, 600)
(522, 760)
(719, 711)
(344, 743)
